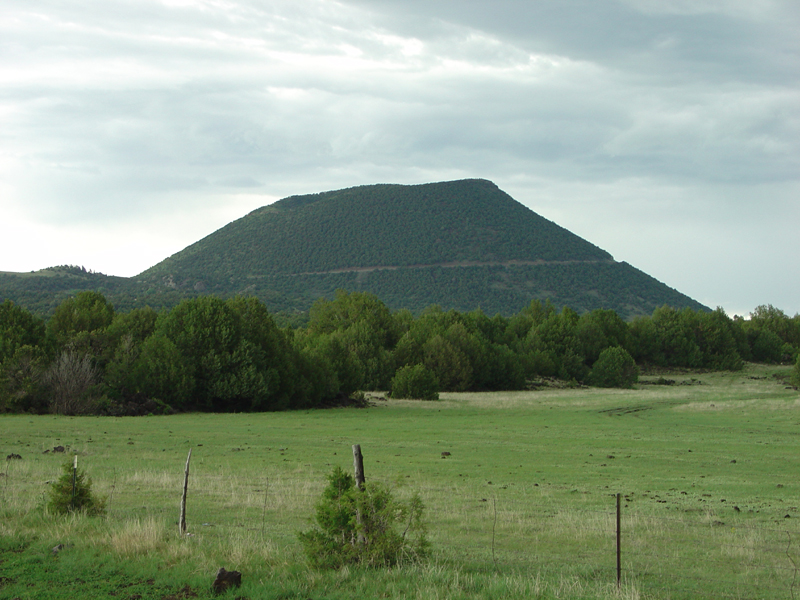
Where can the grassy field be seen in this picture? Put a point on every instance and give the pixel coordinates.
(522, 507)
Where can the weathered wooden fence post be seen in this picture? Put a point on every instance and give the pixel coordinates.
(619, 539)
(183, 497)
(358, 466)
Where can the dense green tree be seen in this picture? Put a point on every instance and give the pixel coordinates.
(552, 347)
(433, 321)
(403, 320)
(533, 315)
(645, 341)
(22, 381)
(667, 338)
(716, 335)
(275, 353)
(614, 367)
(348, 309)
(137, 324)
(18, 328)
(765, 345)
(332, 368)
(81, 321)
(600, 329)
(474, 347)
(778, 322)
(504, 369)
(449, 363)
(772, 336)
(235, 354)
(23, 358)
(158, 371)
(365, 327)
(738, 329)
(416, 382)
(125, 337)
(492, 330)
(206, 334)
(466, 351)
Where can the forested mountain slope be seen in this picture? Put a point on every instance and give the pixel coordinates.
(460, 244)
(469, 221)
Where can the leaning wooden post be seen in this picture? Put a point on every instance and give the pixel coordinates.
(183, 497)
(358, 466)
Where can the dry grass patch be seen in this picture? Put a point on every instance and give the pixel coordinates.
(136, 537)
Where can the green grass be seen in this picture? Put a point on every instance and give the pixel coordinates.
(523, 507)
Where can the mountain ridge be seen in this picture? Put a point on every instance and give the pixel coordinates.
(461, 244)
(445, 220)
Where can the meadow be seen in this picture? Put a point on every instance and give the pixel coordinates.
(523, 506)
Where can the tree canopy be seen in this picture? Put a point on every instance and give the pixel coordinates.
(214, 354)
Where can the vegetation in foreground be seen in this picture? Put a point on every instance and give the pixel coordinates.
(72, 492)
(365, 527)
(519, 489)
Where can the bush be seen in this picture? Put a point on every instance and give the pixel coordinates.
(416, 382)
(796, 373)
(60, 494)
(358, 527)
(614, 368)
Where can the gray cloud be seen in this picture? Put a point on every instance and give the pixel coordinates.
(664, 131)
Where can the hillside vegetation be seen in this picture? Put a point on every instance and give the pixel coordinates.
(468, 221)
(460, 245)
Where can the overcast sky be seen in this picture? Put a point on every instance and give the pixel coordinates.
(667, 132)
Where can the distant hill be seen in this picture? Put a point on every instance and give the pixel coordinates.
(459, 244)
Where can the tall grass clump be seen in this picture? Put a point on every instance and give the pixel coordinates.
(137, 537)
(357, 526)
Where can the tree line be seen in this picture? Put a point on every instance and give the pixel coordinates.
(210, 354)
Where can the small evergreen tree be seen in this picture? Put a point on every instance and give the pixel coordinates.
(796, 373)
(362, 526)
(61, 499)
